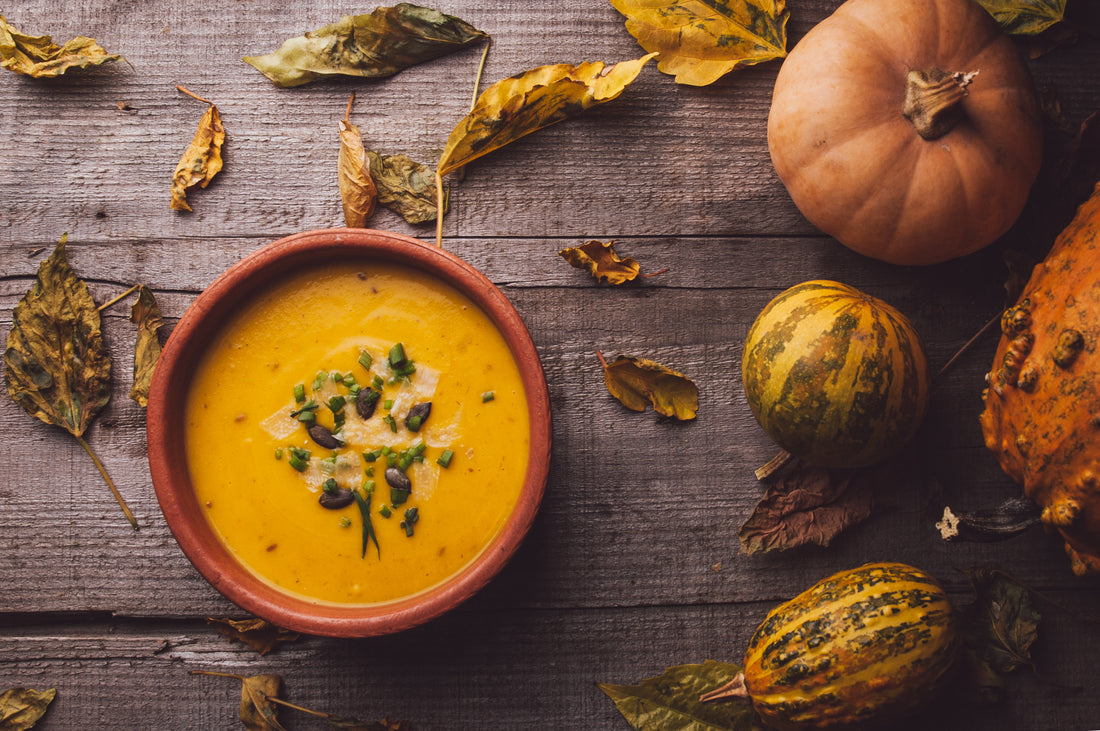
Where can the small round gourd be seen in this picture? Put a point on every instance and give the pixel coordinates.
(836, 377)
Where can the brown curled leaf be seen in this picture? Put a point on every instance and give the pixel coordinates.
(145, 313)
(41, 58)
(527, 102)
(203, 158)
(22, 708)
(374, 46)
(600, 260)
(259, 694)
(406, 187)
(358, 194)
(259, 634)
(637, 383)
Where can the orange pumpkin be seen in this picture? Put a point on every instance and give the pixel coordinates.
(1042, 407)
(909, 130)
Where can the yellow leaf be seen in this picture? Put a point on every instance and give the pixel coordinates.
(701, 41)
(40, 57)
(600, 260)
(202, 160)
(637, 382)
(527, 102)
(145, 313)
(358, 193)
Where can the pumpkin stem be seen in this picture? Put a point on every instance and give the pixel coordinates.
(733, 689)
(932, 100)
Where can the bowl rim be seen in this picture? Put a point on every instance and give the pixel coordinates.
(208, 314)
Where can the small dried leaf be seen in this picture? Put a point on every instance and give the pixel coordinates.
(527, 102)
(376, 45)
(808, 505)
(1025, 17)
(358, 193)
(600, 260)
(1002, 623)
(21, 708)
(41, 58)
(258, 713)
(56, 362)
(259, 634)
(671, 700)
(201, 161)
(701, 41)
(406, 187)
(637, 382)
(146, 315)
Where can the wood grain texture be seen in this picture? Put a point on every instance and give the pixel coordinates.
(633, 564)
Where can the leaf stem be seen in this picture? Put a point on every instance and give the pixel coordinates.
(119, 298)
(347, 114)
(966, 346)
(659, 271)
(602, 361)
(480, 71)
(110, 483)
(193, 95)
(773, 465)
(438, 209)
(288, 704)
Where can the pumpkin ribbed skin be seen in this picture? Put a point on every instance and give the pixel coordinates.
(855, 647)
(1042, 406)
(835, 376)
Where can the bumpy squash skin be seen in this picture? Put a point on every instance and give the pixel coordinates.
(855, 648)
(1042, 404)
(834, 376)
(857, 168)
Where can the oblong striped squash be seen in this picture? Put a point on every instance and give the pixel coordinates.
(856, 647)
(835, 376)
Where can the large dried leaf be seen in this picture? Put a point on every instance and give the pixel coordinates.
(637, 383)
(375, 45)
(1025, 17)
(201, 161)
(701, 41)
(358, 194)
(526, 102)
(56, 362)
(259, 634)
(405, 186)
(145, 313)
(671, 701)
(40, 57)
(809, 505)
(600, 260)
(1002, 623)
(21, 708)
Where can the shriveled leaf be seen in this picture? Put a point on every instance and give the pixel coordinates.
(259, 634)
(1002, 623)
(201, 161)
(146, 315)
(637, 383)
(808, 505)
(56, 362)
(358, 193)
(701, 41)
(405, 186)
(373, 46)
(1025, 17)
(671, 702)
(600, 260)
(21, 708)
(258, 713)
(527, 102)
(41, 58)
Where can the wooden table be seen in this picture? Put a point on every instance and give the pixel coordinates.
(634, 563)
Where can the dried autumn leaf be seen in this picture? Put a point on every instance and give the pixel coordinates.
(701, 41)
(1002, 623)
(56, 362)
(808, 505)
(259, 694)
(376, 45)
(405, 186)
(202, 160)
(527, 102)
(671, 700)
(600, 260)
(637, 382)
(41, 58)
(1025, 17)
(146, 315)
(259, 634)
(21, 708)
(358, 194)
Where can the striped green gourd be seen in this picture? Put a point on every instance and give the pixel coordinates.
(857, 647)
(834, 376)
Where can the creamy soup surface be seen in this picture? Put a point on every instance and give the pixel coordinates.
(261, 492)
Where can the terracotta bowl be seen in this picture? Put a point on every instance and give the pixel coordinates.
(168, 461)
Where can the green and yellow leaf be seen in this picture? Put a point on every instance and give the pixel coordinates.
(599, 259)
(203, 158)
(406, 187)
(1025, 17)
(376, 45)
(527, 102)
(637, 383)
(145, 313)
(41, 58)
(22, 708)
(700, 41)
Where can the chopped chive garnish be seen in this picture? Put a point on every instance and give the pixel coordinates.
(338, 420)
(377, 382)
(370, 472)
(311, 406)
(349, 380)
(418, 458)
(298, 463)
(354, 389)
(387, 404)
(398, 496)
(317, 384)
(337, 377)
(408, 526)
(418, 448)
(300, 453)
(345, 522)
(386, 451)
(405, 462)
(385, 511)
(368, 487)
(368, 529)
(413, 423)
(337, 403)
(300, 393)
(487, 396)
(397, 356)
(445, 458)
(278, 453)
(390, 422)
(391, 459)
(307, 417)
(329, 485)
(365, 360)
(372, 455)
